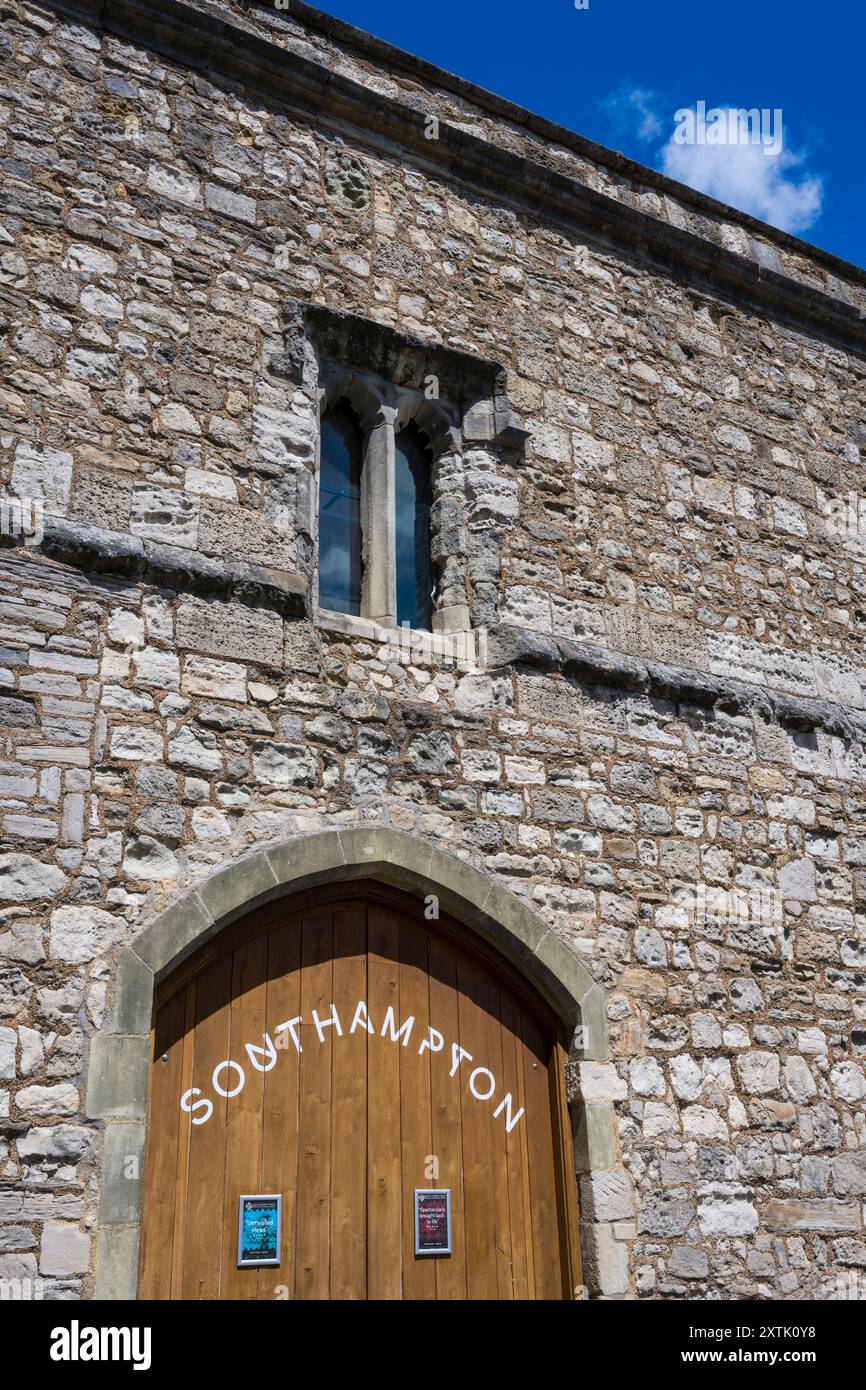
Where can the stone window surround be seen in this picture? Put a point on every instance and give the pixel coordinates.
(385, 375)
(384, 410)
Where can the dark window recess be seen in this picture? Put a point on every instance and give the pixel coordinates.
(342, 452)
(413, 490)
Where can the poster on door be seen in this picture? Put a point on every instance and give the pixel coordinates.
(259, 1225)
(433, 1221)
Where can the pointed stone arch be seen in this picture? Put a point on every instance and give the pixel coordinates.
(118, 1063)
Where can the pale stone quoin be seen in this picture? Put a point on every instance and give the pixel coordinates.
(628, 749)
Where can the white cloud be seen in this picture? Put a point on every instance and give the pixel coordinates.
(633, 110)
(745, 177)
(773, 187)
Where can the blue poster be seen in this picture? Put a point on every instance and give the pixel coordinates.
(259, 1222)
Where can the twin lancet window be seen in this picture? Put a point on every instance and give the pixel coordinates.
(375, 496)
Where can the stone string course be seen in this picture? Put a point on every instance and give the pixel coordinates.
(165, 714)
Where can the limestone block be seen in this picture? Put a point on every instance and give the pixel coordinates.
(148, 858)
(177, 185)
(646, 1076)
(136, 743)
(726, 1209)
(164, 514)
(230, 630)
(821, 1214)
(799, 1080)
(797, 880)
(284, 437)
(236, 533)
(80, 934)
(686, 1077)
(204, 676)
(759, 1072)
(666, 1213)
(605, 1261)
(156, 667)
(39, 472)
(67, 1143)
(48, 1100)
(64, 1250)
(848, 1081)
(685, 1262)
(607, 1196)
(231, 204)
(284, 764)
(25, 879)
(599, 1082)
(849, 1174)
(8, 1045)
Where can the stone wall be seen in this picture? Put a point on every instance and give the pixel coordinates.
(662, 752)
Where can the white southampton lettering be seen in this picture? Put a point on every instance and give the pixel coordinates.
(229, 1077)
(404, 1027)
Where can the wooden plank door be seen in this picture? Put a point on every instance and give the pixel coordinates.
(343, 1052)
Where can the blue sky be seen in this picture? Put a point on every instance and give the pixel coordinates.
(619, 70)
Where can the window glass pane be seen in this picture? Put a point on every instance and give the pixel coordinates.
(413, 496)
(342, 448)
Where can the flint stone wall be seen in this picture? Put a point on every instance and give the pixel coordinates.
(670, 705)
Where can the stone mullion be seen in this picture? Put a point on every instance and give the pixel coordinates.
(379, 596)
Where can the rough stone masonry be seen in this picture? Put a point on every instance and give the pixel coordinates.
(663, 752)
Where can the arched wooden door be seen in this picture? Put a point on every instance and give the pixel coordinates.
(341, 1051)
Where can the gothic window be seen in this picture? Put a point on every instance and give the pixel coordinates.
(342, 452)
(410, 432)
(385, 454)
(413, 498)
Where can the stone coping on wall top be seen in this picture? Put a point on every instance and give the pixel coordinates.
(208, 42)
(348, 36)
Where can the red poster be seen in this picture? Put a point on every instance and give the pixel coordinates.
(433, 1222)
